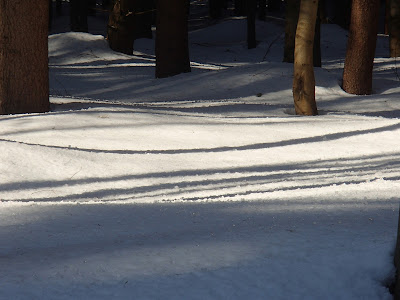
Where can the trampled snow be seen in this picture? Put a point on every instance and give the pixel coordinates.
(204, 185)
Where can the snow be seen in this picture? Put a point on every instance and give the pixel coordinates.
(204, 185)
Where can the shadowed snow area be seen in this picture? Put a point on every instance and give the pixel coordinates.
(204, 185)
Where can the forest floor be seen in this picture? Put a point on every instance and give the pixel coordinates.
(204, 185)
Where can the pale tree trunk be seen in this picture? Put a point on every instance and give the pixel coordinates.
(357, 73)
(291, 20)
(304, 80)
(120, 29)
(394, 28)
(24, 75)
(172, 49)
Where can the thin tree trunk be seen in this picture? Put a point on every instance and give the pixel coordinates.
(50, 14)
(397, 262)
(357, 74)
(251, 23)
(144, 19)
(304, 80)
(24, 77)
(78, 15)
(387, 16)
(120, 29)
(394, 28)
(59, 7)
(215, 8)
(317, 60)
(172, 49)
(291, 19)
(262, 10)
(240, 8)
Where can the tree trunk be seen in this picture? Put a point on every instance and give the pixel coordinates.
(251, 23)
(120, 29)
(357, 74)
(50, 14)
(304, 80)
(317, 60)
(59, 7)
(397, 262)
(262, 10)
(394, 28)
(274, 5)
(78, 14)
(240, 8)
(387, 16)
(291, 19)
(172, 49)
(24, 77)
(144, 19)
(215, 7)
(343, 12)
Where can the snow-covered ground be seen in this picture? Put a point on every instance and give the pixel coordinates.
(203, 185)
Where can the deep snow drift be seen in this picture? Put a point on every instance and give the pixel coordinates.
(203, 185)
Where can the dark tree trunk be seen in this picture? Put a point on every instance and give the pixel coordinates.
(50, 13)
(24, 77)
(262, 10)
(397, 262)
(240, 8)
(304, 80)
(91, 7)
(105, 4)
(120, 29)
(172, 49)
(317, 41)
(79, 10)
(144, 19)
(59, 7)
(215, 7)
(274, 5)
(343, 12)
(291, 19)
(394, 28)
(251, 23)
(357, 74)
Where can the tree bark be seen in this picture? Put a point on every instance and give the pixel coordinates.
(240, 9)
(357, 74)
(317, 60)
(262, 10)
(24, 75)
(291, 19)
(59, 7)
(120, 29)
(304, 80)
(172, 49)
(251, 23)
(143, 19)
(215, 7)
(397, 262)
(394, 28)
(78, 15)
